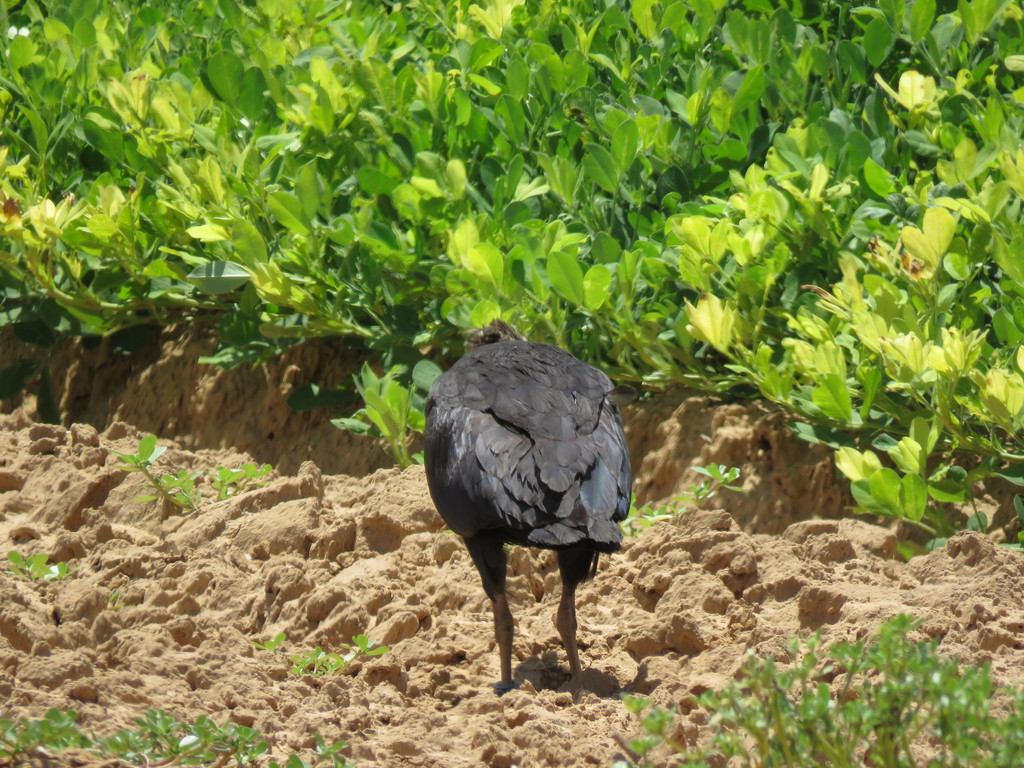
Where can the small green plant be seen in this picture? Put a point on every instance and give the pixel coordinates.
(889, 699)
(271, 645)
(643, 517)
(55, 732)
(392, 410)
(231, 482)
(179, 489)
(114, 601)
(319, 663)
(183, 489)
(157, 739)
(37, 567)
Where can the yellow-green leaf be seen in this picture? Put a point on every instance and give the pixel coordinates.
(712, 320)
(930, 243)
(596, 284)
(856, 465)
(486, 262)
(209, 233)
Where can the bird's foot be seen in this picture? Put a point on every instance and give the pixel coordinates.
(502, 688)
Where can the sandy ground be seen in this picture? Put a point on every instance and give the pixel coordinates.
(163, 608)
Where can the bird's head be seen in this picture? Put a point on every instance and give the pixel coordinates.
(497, 330)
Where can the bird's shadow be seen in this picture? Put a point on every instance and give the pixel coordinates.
(546, 672)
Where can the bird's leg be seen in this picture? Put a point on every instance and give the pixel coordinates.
(488, 555)
(575, 565)
(503, 633)
(565, 622)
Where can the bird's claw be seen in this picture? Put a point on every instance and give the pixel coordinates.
(502, 688)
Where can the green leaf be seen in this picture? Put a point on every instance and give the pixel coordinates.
(308, 191)
(224, 71)
(357, 426)
(930, 243)
(566, 276)
(486, 262)
(424, 373)
(600, 167)
(922, 14)
(947, 491)
(487, 85)
(750, 90)
(870, 378)
(209, 233)
(510, 112)
(914, 497)
(251, 98)
(886, 487)
(217, 277)
(816, 433)
(597, 283)
(1014, 473)
(977, 17)
(287, 210)
(909, 455)
(248, 243)
(833, 398)
(878, 39)
(373, 182)
(926, 433)
(101, 130)
(21, 52)
(878, 178)
(14, 377)
(857, 465)
(852, 58)
(625, 143)
(146, 447)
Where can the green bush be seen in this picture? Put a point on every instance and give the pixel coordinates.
(818, 203)
(884, 703)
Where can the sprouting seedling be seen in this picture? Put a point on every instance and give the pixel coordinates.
(114, 601)
(36, 567)
(364, 646)
(319, 662)
(719, 477)
(231, 482)
(271, 645)
(178, 489)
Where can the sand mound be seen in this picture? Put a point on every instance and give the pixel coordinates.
(163, 608)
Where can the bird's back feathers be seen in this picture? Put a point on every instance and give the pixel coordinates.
(523, 439)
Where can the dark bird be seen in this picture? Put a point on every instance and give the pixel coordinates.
(524, 445)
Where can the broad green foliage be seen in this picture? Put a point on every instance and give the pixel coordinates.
(889, 697)
(820, 203)
(392, 410)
